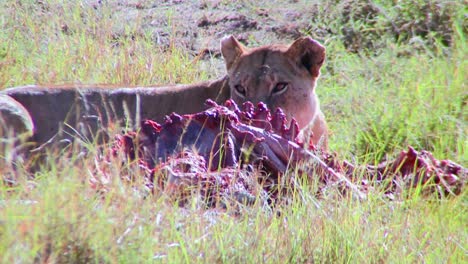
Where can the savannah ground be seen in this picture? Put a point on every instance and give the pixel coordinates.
(395, 76)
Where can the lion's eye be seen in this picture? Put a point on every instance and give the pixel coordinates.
(240, 89)
(280, 88)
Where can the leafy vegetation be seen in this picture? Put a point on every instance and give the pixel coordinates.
(395, 76)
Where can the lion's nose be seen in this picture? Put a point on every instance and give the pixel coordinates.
(260, 98)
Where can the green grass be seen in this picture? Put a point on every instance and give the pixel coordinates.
(67, 221)
(387, 102)
(82, 45)
(375, 106)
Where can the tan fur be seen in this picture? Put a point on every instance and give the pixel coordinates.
(259, 71)
(82, 111)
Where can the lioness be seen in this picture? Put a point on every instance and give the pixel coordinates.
(279, 75)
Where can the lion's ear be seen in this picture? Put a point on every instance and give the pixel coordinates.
(231, 50)
(308, 53)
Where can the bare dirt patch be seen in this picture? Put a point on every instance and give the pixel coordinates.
(197, 26)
